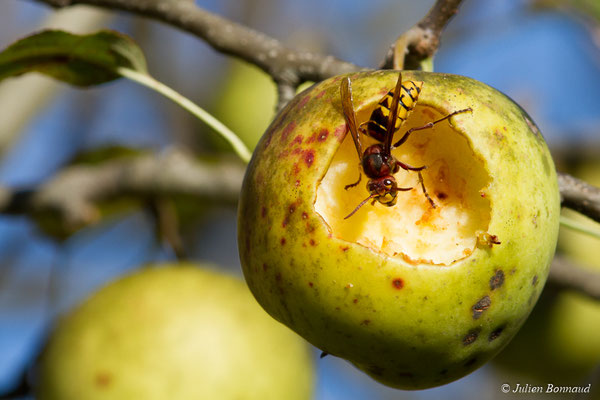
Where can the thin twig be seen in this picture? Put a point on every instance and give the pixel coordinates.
(422, 40)
(580, 196)
(566, 275)
(146, 80)
(286, 66)
(285, 93)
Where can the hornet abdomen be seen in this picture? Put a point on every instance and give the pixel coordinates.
(377, 123)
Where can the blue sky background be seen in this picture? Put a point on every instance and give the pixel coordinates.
(546, 61)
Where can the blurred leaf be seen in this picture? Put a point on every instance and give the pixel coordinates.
(81, 60)
(588, 8)
(102, 154)
(54, 226)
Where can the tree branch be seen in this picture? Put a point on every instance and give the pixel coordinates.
(74, 194)
(286, 66)
(580, 196)
(422, 40)
(566, 275)
(75, 191)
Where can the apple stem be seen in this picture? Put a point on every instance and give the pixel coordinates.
(146, 80)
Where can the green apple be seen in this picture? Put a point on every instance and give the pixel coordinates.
(413, 295)
(246, 103)
(173, 332)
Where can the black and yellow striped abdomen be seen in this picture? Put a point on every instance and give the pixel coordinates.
(377, 123)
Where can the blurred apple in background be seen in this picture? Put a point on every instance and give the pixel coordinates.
(174, 332)
(246, 103)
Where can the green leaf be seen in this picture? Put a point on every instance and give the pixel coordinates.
(106, 153)
(146, 80)
(592, 229)
(81, 60)
(86, 60)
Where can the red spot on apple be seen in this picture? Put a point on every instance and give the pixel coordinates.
(297, 140)
(310, 284)
(263, 212)
(284, 153)
(296, 169)
(269, 138)
(398, 283)
(340, 131)
(323, 135)
(320, 94)
(260, 179)
(312, 242)
(290, 211)
(282, 241)
(304, 100)
(103, 379)
(309, 157)
(287, 130)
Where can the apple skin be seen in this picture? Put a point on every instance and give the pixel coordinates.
(174, 332)
(408, 326)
